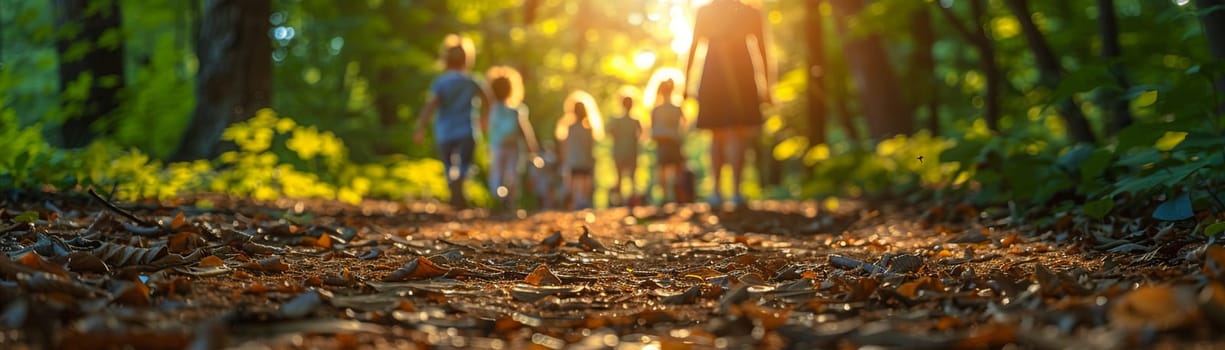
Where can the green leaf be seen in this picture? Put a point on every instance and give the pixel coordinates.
(1096, 165)
(1170, 140)
(1176, 209)
(27, 217)
(1214, 229)
(1099, 208)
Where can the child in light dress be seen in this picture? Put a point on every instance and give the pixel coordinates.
(510, 134)
(667, 130)
(577, 133)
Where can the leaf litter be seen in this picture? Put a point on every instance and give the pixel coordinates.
(778, 275)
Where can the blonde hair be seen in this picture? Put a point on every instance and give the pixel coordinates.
(506, 84)
(651, 96)
(593, 120)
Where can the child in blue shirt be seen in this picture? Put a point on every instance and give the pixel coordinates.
(450, 101)
(509, 131)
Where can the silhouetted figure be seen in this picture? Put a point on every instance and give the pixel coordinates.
(450, 102)
(734, 84)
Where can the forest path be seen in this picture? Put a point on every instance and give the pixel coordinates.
(777, 274)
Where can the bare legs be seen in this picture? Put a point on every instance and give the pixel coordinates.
(580, 191)
(728, 147)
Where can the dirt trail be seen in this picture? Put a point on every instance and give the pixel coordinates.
(780, 274)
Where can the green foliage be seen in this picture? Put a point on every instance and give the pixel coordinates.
(276, 157)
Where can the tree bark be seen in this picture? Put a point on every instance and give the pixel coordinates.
(1111, 98)
(1050, 73)
(1214, 29)
(102, 62)
(235, 75)
(978, 38)
(923, 68)
(815, 44)
(880, 93)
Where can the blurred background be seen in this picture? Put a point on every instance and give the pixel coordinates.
(152, 99)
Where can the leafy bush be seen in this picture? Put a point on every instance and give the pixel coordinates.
(274, 157)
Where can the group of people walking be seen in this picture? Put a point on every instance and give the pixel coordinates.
(733, 83)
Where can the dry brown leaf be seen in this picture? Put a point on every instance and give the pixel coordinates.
(136, 294)
(770, 318)
(590, 243)
(183, 242)
(34, 261)
(211, 261)
(417, 269)
(1009, 240)
(178, 221)
(541, 276)
(273, 264)
(1154, 307)
(406, 305)
(989, 336)
(324, 241)
(552, 242)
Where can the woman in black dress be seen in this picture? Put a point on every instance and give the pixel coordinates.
(733, 84)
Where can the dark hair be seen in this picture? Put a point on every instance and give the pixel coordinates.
(666, 87)
(501, 87)
(627, 100)
(455, 57)
(580, 111)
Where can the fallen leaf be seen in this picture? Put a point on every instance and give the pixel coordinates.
(178, 221)
(541, 276)
(211, 261)
(417, 269)
(273, 264)
(324, 241)
(1154, 307)
(552, 242)
(591, 244)
(135, 294)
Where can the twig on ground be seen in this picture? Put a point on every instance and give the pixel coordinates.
(119, 210)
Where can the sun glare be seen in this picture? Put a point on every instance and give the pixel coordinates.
(682, 31)
(644, 60)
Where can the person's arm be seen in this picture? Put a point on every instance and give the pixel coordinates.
(423, 121)
(759, 33)
(699, 36)
(529, 134)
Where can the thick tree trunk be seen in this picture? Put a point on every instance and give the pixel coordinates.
(1111, 99)
(815, 43)
(978, 38)
(1050, 72)
(235, 75)
(1214, 30)
(880, 93)
(923, 68)
(83, 24)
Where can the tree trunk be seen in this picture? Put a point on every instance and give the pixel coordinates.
(1050, 73)
(923, 68)
(815, 44)
(235, 75)
(880, 93)
(100, 65)
(1214, 30)
(1111, 98)
(978, 38)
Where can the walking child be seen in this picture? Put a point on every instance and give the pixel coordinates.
(626, 134)
(667, 122)
(577, 132)
(510, 132)
(450, 102)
